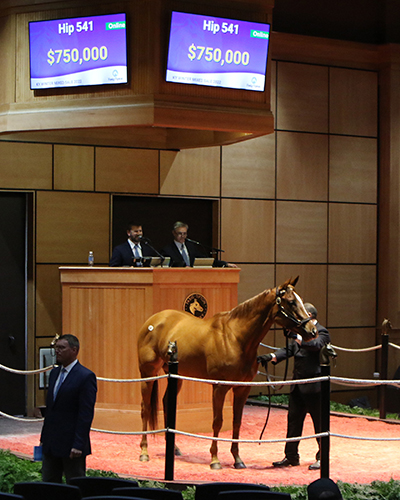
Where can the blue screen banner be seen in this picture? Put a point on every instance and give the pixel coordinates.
(78, 51)
(217, 52)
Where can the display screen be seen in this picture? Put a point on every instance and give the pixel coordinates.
(79, 51)
(217, 52)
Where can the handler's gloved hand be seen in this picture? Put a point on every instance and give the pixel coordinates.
(264, 359)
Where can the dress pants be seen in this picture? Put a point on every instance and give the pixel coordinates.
(54, 467)
(299, 405)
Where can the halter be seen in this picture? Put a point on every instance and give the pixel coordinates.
(297, 323)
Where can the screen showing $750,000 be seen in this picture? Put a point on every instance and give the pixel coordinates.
(78, 51)
(217, 52)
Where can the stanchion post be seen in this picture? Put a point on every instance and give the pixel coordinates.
(325, 354)
(325, 418)
(383, 374)
(172, 395)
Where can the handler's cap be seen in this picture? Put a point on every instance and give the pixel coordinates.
(323, 488)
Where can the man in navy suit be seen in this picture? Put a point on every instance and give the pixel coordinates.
(131, 252)
(183, 252)
(69, 413)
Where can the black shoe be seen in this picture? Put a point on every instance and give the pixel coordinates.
(315, 466)
(286, 462)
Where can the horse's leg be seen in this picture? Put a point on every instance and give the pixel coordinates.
(165, 409)
(147, 388)
(219, 393)
(240, 395)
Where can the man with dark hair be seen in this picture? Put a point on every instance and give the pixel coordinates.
(69, 413)
(131, 252)
(323, 489)
(303, 398)
(184, 252)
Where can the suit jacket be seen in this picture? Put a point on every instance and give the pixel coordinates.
(69, 416)
(123, 256)
(194, 251)
(306, 359)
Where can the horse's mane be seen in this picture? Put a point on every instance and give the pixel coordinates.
(245, 308)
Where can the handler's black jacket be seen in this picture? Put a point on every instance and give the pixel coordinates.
(306, 359)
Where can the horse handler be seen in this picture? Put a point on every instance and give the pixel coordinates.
(303, 398)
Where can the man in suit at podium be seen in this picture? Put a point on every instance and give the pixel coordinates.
(183, 252)
(69, 413)
(132, 251)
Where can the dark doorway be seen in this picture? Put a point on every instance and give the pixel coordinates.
(13, 279)
(157, 216)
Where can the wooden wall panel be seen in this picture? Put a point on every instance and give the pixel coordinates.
(312, 284)
(353, 364)
(26, 166)
(71, 224)
(7, 43)
(48, 301)
(353, 169)
(73, 168)
(191, 172)
(351, 295)
(302, 102)
(302, 166)
(127, 170)
(352, 233)
(247, 230)
(353, 102)
(301, 232)
(242, 178)
(255, 278)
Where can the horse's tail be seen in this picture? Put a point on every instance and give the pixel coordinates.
(153, 421)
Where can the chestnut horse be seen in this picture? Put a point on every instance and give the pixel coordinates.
(223, 347)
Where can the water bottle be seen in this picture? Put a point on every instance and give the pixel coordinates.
(91, 258)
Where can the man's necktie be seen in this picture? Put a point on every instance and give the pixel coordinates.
(136, 252)
(137, 255)
(185, 255)
(60, 381)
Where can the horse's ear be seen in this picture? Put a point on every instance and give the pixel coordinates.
(294, 282)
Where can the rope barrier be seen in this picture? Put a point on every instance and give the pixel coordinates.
(123, 380)
(128, 433)
(362, 349)
(251, 441)
(26, 372)
(21, 419)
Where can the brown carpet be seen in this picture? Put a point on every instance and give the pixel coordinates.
(353, 461)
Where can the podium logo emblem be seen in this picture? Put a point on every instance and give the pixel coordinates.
(196, 304)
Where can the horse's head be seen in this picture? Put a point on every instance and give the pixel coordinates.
(291, 313)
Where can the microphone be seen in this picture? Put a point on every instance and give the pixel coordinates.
(192, 241)
(144, 239)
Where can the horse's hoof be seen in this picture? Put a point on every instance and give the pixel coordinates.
(239, 465)
(178, 452)
(215, 466)
(144, 458)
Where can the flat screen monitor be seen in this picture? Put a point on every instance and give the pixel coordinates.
(77, 52)
(217, 52)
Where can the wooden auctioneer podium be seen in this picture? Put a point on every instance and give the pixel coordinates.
(105, 308)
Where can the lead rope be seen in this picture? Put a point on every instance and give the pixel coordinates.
(269, 387)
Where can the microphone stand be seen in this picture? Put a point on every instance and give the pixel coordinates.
(211, 249)
(148, 243)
